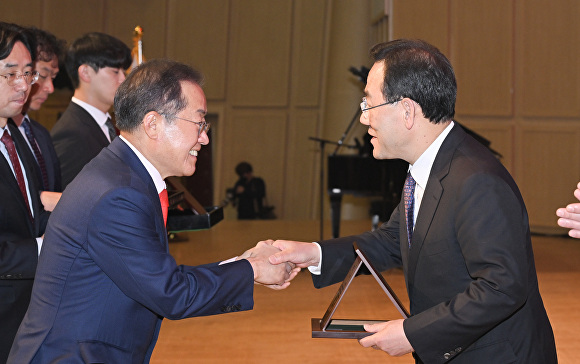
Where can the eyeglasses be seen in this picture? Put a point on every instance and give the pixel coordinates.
(28, 77)
(364, 107)
(203, 125)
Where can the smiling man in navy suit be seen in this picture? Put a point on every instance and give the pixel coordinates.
(105, 278)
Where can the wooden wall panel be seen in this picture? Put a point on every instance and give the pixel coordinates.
(427, 20)
(70, 19)
(124, 16)
(484, 69)
(28, 12)
(308, 51)
(260, 41)
(547, 58)
(301, 177)
(198, 35)
(550, 156)
(257, 136)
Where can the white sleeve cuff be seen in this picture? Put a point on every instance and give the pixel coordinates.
(318, 269)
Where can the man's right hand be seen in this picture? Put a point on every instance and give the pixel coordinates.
(301, 254)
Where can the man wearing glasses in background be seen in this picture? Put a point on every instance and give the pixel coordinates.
(96, 65)
(49, 50)
(22, 218)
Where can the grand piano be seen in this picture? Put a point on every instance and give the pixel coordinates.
(364, 176)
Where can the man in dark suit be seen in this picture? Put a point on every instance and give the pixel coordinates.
(461, 234)
(105, 278)
(96, 65)
(22, 219)
(49, 50)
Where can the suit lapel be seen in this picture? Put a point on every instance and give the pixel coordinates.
(85, 118)
(124, 152)
(431, 197)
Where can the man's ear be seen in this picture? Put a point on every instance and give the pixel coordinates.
(409, 108)
(84, 72)
(153, 124)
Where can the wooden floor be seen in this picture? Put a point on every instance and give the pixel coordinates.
(278, 329)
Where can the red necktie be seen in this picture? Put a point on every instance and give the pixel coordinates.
(37, 154)
(164, 204)
(7, 140)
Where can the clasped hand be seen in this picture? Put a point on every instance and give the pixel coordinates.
(274, 276)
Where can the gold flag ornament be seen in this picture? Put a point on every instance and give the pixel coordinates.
(137, 51)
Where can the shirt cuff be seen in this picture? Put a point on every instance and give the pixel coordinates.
(318, 269)
(228, 261)
(39, 243)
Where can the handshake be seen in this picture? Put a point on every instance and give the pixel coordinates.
(276, 263)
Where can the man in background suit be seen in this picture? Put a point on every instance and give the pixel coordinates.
(96, 65)
(22, 219)
(461, 235)
(49, 51)
(105, 278)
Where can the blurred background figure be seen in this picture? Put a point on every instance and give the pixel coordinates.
(249, 195)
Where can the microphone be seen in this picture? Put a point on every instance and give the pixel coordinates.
(362, 74)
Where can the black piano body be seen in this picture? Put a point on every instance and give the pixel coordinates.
(365, 176)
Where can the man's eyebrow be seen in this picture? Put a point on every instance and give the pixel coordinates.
(9, 65)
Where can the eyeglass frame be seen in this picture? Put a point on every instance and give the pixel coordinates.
(364, 107)
(203, 125)
(15, 76)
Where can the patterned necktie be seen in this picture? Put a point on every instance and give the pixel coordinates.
(7, 140)
(409, 198)
(111, 127)
(164, 204)
(37, 154)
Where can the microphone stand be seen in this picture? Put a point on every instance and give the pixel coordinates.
(350, 125)
(322, 143)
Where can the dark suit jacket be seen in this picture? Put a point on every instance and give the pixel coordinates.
(18, 247)
(46, 147)
(470, 271)
(44, 141)
(105, 278)
(77, 139)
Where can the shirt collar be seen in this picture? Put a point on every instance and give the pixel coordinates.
(153, 172)
(99, 116)
(422, 167)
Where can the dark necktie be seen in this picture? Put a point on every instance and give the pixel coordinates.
(409, 198)
(111, 127)
(163, 197)
(37, 154)
(7, 140)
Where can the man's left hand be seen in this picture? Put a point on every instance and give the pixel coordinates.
(389, 337)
